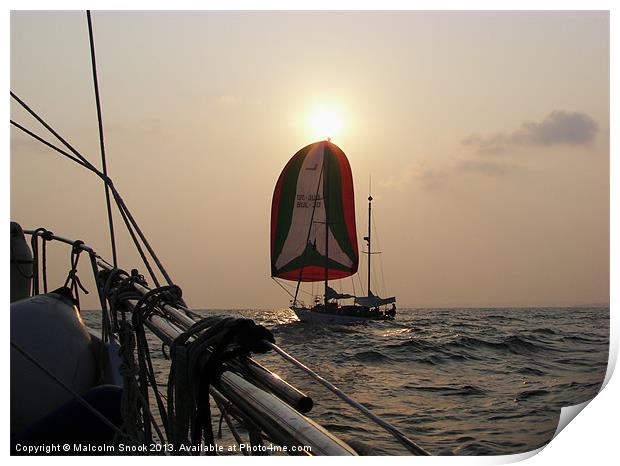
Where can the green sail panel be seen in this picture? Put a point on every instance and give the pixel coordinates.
(317, 176)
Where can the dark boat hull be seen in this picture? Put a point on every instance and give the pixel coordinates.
(334, 314)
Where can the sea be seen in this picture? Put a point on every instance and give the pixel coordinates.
(481, 381)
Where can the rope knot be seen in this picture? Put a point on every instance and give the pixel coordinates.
(47, 235)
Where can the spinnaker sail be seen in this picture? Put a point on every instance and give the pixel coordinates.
(313, 235)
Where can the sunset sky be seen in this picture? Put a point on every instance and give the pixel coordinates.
(486, 135)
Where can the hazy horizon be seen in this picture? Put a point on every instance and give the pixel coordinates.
(486, 135)
(401, 308)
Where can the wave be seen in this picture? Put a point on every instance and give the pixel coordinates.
(513, 343)
(420, 345)
(474, 448)
(526, 395)
(530, 371)
(589, 386)
(371, 356)
(503, 318)
(448, 390)
(544, 331)
(582, 339)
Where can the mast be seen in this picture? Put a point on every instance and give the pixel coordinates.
(368, 239)
(325, 197)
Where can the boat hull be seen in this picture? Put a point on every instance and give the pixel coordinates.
(307, 315)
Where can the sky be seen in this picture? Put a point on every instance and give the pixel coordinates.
(486, 135)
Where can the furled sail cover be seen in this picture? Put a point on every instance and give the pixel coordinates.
(373, 301)
(333, 294)
(298, 236)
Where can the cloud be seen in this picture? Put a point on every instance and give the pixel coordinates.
(420, 174)
(559, 127)
(485, 167)
(433, 178)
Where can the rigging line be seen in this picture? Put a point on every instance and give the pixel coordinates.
(106, 179)
(123, 209)
(121, 202)
(359, 279)
(362, 265)
(51, 130)
(301, 290)
(101, 139)
(48, 144)
(380, 255)
(282, 286)
(374, 279)
(124, 212)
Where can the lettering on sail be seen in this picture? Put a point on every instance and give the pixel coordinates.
(308, 201)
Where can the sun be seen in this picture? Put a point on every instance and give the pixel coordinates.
(325, 122)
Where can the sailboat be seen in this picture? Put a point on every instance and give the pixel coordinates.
(314, 238)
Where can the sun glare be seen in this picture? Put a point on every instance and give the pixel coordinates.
(325, 123)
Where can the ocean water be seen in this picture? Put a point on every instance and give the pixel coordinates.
(456, 381)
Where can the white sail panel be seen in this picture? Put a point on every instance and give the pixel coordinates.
(306, 196)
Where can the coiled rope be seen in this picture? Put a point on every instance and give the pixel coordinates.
(198, 356)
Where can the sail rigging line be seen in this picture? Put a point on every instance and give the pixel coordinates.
(375, 280)
(283, 285)
(303, 256)
(108, 180)
(374, 226)
(51, 130)
(396, 433)
(359, 279)
(57, 149)
(284, 288)
(123, 209)
(101, 138)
